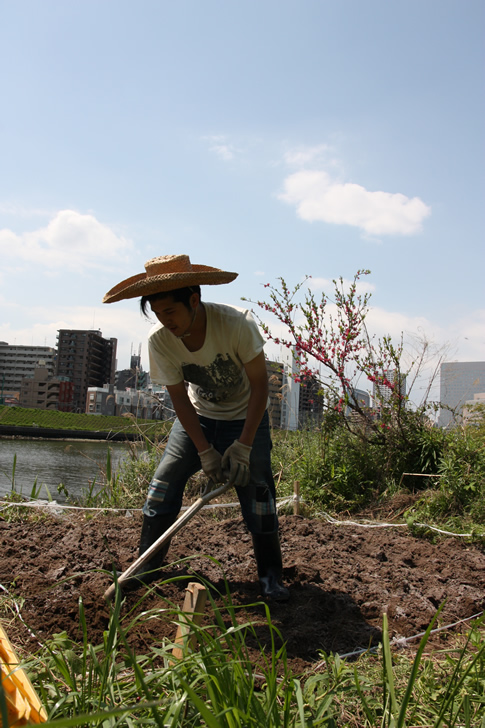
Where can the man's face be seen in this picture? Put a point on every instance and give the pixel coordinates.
(175, 316)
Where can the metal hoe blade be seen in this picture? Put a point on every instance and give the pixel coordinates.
(206, 496)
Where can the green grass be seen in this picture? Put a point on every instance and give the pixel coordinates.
(23, 417)
(219, 684)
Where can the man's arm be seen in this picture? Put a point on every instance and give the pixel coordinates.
(258, 399)
(187, 415)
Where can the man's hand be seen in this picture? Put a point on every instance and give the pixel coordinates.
(211, 464)
(235, 463)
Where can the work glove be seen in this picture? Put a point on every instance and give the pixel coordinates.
(235, 463)
(210, 460)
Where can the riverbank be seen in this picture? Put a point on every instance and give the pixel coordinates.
(46, 424)
(50, 433)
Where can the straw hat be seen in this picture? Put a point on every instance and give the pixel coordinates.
(165, 274)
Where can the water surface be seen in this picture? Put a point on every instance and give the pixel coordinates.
(76, 464)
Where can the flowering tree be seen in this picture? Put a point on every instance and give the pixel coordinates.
(330, 342)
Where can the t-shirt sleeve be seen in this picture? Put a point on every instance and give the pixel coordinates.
(163, 369)
(251, 343)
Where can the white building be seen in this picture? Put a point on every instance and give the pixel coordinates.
(290, 403)
(459, 382)
(141, 404)
(17, 362)
(382, 393)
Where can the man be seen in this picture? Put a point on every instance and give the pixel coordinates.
(222, 425)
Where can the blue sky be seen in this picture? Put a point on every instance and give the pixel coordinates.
(272, 138)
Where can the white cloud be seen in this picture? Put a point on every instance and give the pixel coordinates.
(220, 146)
(303, 155)
(70, 241)
(383, 323)
(114, 321)
(319, 198)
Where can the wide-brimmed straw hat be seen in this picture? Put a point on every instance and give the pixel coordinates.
(167, 273)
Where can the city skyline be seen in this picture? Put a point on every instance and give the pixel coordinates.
(273, 140)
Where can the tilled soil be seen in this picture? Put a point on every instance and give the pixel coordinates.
(341, 580)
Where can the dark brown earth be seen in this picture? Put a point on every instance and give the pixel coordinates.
(341, 579)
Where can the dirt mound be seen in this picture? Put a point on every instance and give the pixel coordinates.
(341, 579)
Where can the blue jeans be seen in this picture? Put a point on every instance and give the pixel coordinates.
(180, 460)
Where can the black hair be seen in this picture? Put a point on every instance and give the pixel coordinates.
(179, 295)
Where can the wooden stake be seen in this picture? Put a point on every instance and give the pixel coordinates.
(296, 500)
(194, 603)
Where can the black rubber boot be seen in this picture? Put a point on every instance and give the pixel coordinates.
(267, 551)
(152, 528)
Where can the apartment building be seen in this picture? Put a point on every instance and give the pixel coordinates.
(43, 391)
(292, 404)
(17, 362)
(142, 405)
(382, 393)
(87, 360)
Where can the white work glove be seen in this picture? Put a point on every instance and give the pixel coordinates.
(211, 464)
(235, 463)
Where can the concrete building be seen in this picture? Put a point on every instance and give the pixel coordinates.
(470, 408)
(43, 391)
(382, 393)
(17, 362)
(293, 404)
(361, 398)
(135, 377)
(275, 382)
(132, 379)
(110, 401)
(87, 360)
(459, 382)
(310, 403)
(126, 379)
(290, 391)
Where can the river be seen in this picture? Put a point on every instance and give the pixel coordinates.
(74, 463)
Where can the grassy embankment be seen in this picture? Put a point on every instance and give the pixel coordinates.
(52, 419)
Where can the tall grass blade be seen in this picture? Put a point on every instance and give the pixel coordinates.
(365, 704)
(388, 671)
(458, 678)
(414, 672)
(109, 474)
(209, 718)
(14, 468)
(35, 492)
(132, 659)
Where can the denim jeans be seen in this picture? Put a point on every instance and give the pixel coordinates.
(180, 460)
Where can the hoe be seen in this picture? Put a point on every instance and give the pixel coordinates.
(207, 495)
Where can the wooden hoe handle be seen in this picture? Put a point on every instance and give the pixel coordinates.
(206, 496)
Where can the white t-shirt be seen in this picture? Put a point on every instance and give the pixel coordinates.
(218, 384)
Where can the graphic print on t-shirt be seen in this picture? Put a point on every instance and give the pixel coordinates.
(215, 382)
